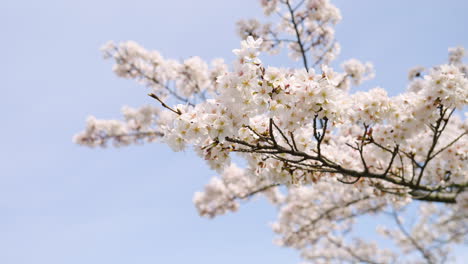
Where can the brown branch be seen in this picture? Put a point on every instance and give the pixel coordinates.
(262, 189)
(419, 192)
(449, 145)
(438, 129)
(298, 35)
(164, 104)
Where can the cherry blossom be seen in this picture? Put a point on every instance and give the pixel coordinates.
(324, 156)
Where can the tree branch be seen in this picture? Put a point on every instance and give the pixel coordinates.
(298, 35)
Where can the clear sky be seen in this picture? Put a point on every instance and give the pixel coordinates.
(61, 203)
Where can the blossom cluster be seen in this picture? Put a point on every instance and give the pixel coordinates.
(222, 194)
(251, 99)
(340, 154)
(311, 22)
(184, 80)
(139, 125)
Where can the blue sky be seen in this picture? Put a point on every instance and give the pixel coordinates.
(61, 203)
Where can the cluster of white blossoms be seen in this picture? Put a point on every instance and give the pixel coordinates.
(430, 234)
(306, 27)
(317, 220)
(357, 71)
(185, 81)
(139, 125)
(338, 155)
(221, 194)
